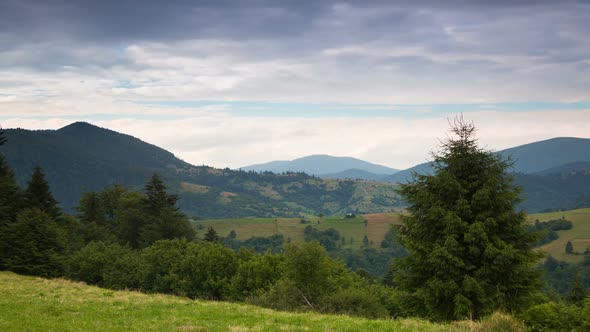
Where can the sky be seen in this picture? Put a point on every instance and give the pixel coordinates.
(234, 83)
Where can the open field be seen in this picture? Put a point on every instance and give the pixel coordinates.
(375, 228)
(579, 234)
(35, 304)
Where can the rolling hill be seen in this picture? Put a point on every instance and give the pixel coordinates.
(528, 158)
(82, 157)
(554, 173)
(326, 166)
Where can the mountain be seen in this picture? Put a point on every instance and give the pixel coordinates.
(321, 165)
(554, 173)
(528, 158)
(82, 157)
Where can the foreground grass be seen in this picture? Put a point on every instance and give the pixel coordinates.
(35, 304)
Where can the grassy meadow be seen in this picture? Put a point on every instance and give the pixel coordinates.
(35, 304)
(579, 234)
(375, 227)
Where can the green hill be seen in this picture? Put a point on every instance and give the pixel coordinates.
(35, 304)
(579, 234)
(82, 157)
(375, 227)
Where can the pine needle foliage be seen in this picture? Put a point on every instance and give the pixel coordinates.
(469, 252)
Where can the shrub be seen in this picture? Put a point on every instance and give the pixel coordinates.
(105, 264)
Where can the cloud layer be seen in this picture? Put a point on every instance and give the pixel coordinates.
(277, 80)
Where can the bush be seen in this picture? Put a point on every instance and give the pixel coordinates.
(33, 245)
(556, 316)
(107, 265)
(189, 269)
(355, 302)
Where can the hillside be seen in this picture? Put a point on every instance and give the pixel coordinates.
(554, 173)
(528, 158)
(35, 304)
(82, 157)
(375, 228)
(579, 235)
(322, 166)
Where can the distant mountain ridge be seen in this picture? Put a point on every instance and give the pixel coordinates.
(325, 166)
(528, 158)
(82, 157)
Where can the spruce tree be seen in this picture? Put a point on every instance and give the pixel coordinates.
(569, 248)
(38, 195)
(468, 250)
(9, 191)
(211, 235)
(157, 198)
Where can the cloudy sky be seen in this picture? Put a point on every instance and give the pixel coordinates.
(232, 83)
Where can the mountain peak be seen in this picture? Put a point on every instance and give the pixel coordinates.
(77, 126)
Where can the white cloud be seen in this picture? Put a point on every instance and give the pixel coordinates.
(222, 140)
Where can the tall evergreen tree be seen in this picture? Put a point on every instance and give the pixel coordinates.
(211, 235)
(157, 198)
(38, 195)
(469, 252)
(9, 191)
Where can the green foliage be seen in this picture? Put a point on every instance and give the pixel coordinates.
(10, 197)
(327, 238)
(157, 199)
(211, 235)
(557, 316)
(469, 252)
(354, 302)
(38, 195)
(547, 231)
(569, 248)
(33, 245)
(105, 264)
(256, 274)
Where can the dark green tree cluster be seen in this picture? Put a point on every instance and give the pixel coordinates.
(302, 278)
(129, 218)
(469, 251)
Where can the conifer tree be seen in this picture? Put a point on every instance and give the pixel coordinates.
(469, 252)
(211, 235)
(9, 191)
(38, 195)
(569, 248)
(157, 198)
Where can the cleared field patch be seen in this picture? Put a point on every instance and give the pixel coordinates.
(378, 224)
(194, 188)
(353, 230)
(35, 304)
(579, 234)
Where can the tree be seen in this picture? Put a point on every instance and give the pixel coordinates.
(38, 195)
(569, 248)
(577, 292)
(157, 198)
(211, 235)
(9, 191)
(33, 245)
(469, 251)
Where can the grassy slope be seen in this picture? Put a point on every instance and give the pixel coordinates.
(579, 234)
(35, 304)
(375, 229)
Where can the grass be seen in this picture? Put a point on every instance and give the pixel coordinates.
(579, 234)
(35, 304)
(375, 228)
